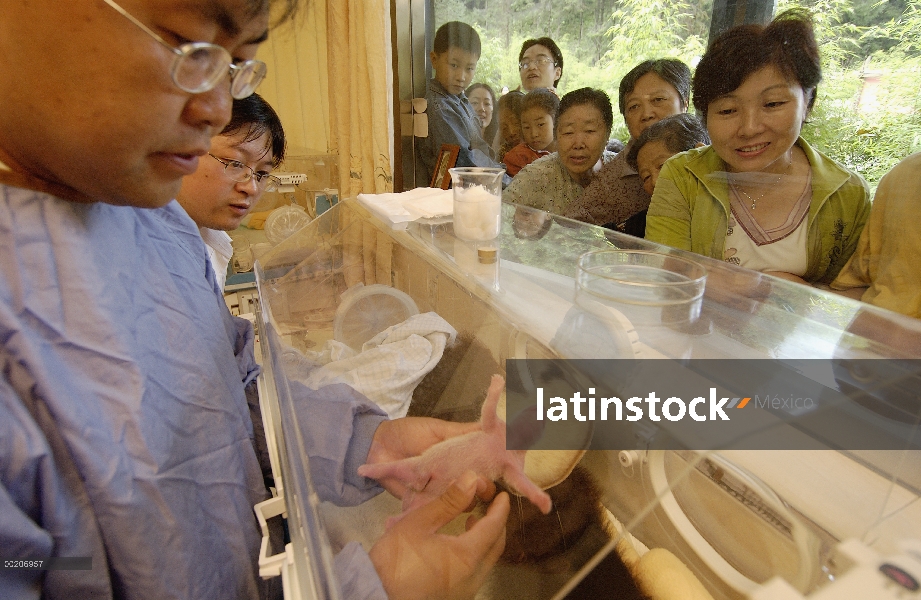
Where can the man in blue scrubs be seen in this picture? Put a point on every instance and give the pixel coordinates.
(124, 431)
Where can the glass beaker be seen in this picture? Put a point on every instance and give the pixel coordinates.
(660, 294)
(477, 203)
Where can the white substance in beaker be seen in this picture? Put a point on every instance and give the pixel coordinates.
(477, 214)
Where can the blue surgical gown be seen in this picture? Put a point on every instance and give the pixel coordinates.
(125, 434)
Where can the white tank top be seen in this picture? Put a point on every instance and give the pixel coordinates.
(781, 249)
(787, 254)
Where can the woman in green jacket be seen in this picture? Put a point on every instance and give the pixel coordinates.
(759, 196)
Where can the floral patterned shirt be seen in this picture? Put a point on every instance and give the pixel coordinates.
(547, 185)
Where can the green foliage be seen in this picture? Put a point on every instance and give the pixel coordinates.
(875, 17)
(644, 29)
(869, 138)
(907, 28)
(603, 39)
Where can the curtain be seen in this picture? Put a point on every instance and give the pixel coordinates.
(331, 81)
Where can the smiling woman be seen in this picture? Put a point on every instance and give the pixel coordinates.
(483, 100)
(760, 196)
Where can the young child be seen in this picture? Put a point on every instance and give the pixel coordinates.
(538, 112)
(509, 122)
(451, 119)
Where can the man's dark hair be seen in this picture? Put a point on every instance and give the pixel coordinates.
(787, 43)
(678, 132)
(674, 72)
(254, 116)
(551, 46)
(591, 96)
(455, 34)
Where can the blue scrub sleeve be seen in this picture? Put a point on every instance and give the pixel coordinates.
(337, 425)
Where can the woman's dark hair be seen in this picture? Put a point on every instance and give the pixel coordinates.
(512, 101)
(678, 132)
(551, 46)
(542, 98)
(596, 98)
(455, 34)
(490, 132)
(254, 116)
(673, 71)
(788, 43)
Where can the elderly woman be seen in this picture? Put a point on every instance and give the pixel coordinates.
(651, 91)
(658, 143)
(540, 64)
(583, 125)
(760, 196)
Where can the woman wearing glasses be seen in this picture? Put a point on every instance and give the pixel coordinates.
(540, 64)
(231, 179)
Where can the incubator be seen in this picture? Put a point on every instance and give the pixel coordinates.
(739, 522)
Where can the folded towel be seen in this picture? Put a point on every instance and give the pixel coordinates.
(440, 203)
(418, 203)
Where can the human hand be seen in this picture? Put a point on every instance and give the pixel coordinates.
(425, 477)
(399, 439)
(415, 562)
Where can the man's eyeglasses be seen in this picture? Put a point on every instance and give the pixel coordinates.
(539, 62)
(199, 66)
(240, 173)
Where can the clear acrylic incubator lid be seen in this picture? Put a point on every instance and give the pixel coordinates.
(816, 487)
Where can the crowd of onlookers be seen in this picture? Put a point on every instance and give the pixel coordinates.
(129, 433)
(734, 181)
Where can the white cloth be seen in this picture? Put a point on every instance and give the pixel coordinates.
(418, 203)
(389, 366)
(220, 251)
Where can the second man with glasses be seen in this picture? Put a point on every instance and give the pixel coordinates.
(233, 178)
